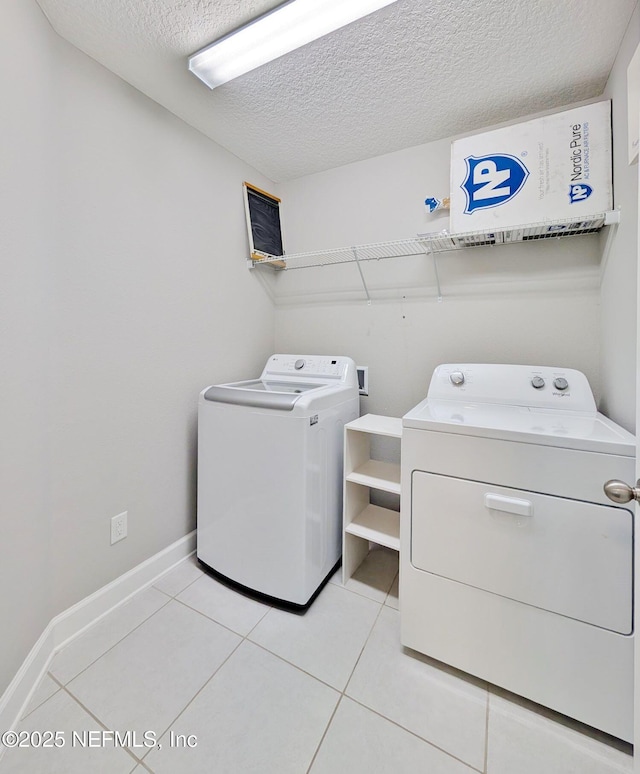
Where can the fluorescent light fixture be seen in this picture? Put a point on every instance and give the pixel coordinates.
(289, 26)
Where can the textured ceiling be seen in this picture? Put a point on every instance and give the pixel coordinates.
(415, 71)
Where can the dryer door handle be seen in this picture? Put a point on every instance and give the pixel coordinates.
(620, 492)
(515, 505)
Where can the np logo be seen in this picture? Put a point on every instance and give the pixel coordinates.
(578, 192)
(492, 180)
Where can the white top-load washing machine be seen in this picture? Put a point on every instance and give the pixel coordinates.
(514, 565)
(270, 475)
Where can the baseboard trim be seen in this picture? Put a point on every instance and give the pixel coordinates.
(72, 622)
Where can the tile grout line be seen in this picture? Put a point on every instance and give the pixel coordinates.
(98, 721)
(57, 682)
(324, 734)
(219, 623)
(413, 733)
(244, 638)
(295, 666)
(137, 626)
(397, 575)
(64, 687)
(209, 679)
(583, 732)
(304, 671)
(173, 596)
(61, 684)
(366, 642)
(342, 693)
(195, 695)
(341, 585)
(165, 604)
(254, 627)
(384, 717)
(160, 591)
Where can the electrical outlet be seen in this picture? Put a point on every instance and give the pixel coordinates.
(118, 527)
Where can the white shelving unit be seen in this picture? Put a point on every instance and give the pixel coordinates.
(433, 244)
(364, 522)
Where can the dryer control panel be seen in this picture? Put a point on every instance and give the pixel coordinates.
(542, 387)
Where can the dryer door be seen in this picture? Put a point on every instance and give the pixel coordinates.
(565, 556)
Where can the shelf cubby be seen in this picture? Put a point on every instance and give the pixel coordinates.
(363, 521)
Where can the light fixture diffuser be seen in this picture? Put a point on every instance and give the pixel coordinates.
(289, 26)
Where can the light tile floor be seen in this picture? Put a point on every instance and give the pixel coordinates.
(260, 690)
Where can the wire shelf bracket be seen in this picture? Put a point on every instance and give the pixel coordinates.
(364, 284)
(428, 253)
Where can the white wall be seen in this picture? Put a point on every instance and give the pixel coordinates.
(532, 303)
(24, 332)
(126, 291)
(618, 294)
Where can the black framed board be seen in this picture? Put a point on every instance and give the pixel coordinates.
(263, 223)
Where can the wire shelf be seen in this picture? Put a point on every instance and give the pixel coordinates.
(431, 244)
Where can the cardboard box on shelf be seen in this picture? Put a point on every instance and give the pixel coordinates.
(550, 168)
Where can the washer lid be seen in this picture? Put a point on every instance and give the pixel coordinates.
(261, 393)
(584, 431)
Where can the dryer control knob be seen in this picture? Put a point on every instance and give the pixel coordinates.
(537, 382)
(457, 378)
(560, 383)
(298, 364)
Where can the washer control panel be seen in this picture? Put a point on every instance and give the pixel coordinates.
(535, 386)
(309, 366)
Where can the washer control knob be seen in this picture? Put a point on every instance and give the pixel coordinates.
(457, 378)
(298, 364)
(537, 382)
(560, 383)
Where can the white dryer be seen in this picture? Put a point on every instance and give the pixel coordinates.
(270, 475)
(514, 565)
